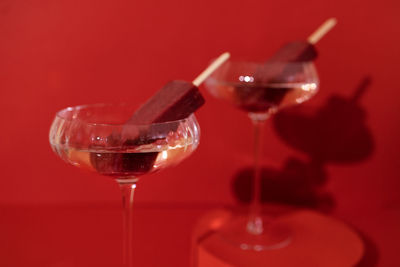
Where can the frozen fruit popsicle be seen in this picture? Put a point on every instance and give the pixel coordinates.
(303, 50)
(278, 69)
(295, 51)
(278, 65)
(175, 101)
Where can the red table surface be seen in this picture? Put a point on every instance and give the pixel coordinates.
(338, 153)
(66, 236)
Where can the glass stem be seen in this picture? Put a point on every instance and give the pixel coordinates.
(255, 223)
(127, 187)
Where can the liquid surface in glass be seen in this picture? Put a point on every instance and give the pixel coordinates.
(253, 97)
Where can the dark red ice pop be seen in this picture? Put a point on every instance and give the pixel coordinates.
(175, 101)
(296, 51)
(278, 65)
(302, 50)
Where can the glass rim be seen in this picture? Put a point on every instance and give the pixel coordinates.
(265, 62)
(83, 106)
(254, 63)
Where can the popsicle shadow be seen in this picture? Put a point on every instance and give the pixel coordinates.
(334, 133)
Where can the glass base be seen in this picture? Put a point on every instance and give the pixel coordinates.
(239, 233)
(315, 239)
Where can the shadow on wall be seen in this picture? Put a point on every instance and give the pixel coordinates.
(371, 253)
(334, 133)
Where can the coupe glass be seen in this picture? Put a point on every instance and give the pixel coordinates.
(97, 138)
(261, 89)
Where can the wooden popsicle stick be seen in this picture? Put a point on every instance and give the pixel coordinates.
(211, 68)
(322, 30)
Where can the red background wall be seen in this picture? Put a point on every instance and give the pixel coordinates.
(55, 54)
